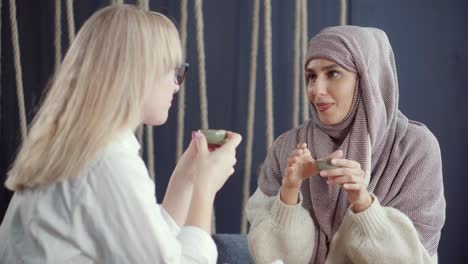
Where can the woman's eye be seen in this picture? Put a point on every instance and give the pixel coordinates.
(311, 77)
(333, 74)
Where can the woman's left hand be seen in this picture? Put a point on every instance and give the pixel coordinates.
(350, 176)
(186, 166)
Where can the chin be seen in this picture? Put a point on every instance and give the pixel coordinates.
(156, 121)
(160, 122)
(331, 121)
(328, 121)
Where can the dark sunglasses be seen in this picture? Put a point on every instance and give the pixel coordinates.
(180, 73)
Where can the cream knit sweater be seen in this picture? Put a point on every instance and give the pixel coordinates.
(287, 232)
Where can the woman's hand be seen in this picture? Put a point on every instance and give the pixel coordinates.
(215, 166)
(180, 188)
(186, 166)
(350, 177)
(213, 170)
(301, 166)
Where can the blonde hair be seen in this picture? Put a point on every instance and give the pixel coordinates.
(97, 91)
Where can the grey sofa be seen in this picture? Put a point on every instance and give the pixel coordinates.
(232, 249)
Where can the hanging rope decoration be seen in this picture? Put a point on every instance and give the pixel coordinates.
(297, 54)
(181, 99)
(58, 33)
(139, 134)
(201, 63)
(143, 4)
(202, 78)
(268, 75)
(343, 12)
(18, 70)
(251, 114)
(304, 47)
(150, 151)
(71, 21)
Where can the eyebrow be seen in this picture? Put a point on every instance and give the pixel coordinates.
(325, 68)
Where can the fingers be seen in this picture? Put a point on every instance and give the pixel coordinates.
(342, 171)
(335, 155)
(353, 187)
(193, 142)
(202, 144)
(301, 146)
(345, 163)
(347, 179)
(234, 139)
(298, 155)
(290, 171)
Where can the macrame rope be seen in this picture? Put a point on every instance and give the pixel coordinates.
(71, 21)
(139, 134)
(297, 57)
(201, 63)
(143, 4)
(181, 101)
(58, 33)
(268, 75)
(304, 47)
(250, 115)
(150, 151)
(202, 78)
(343, 12)
(18, 70)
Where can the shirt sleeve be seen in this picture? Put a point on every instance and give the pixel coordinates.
(119, 221)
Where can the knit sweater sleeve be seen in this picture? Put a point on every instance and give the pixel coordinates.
(377, 235)
(279, 231)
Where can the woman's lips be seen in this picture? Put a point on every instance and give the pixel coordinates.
(322, 107)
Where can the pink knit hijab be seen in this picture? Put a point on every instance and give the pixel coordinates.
(400, 157)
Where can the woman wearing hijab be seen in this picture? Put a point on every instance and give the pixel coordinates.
(383, 202)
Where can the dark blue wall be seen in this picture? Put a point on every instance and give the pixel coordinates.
(429, 38)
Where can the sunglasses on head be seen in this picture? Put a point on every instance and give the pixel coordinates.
(180, 73)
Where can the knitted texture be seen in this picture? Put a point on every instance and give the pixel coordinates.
(401, 158)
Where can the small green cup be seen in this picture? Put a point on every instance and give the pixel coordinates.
(324, 164)
(215, 138)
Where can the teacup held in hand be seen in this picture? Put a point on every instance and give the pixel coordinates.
(324, 164)
(215, 138)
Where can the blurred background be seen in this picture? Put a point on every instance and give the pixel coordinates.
(429, 39)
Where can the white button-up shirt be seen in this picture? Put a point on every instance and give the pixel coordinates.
(107, 214)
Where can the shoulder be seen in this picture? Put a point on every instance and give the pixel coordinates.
(116, 169)
(418, 137)
(419, 148)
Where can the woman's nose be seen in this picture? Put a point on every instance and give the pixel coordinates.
(319, 87)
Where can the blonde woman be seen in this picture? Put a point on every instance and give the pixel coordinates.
(83, 194)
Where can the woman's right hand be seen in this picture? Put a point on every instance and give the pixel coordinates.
(301, 166)
(215, 167)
